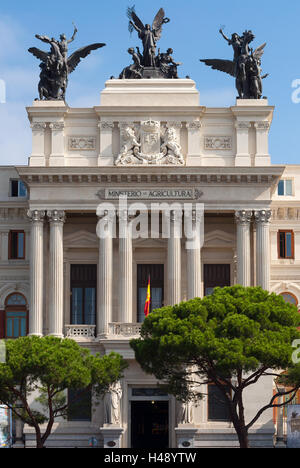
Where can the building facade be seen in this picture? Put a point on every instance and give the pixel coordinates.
(148, 142)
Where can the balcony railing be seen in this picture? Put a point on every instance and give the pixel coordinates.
(81, 332)
(118, 329)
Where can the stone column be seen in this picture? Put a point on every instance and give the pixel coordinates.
(56, 258)
(193, 250)
(37, 157)
(262, 156)
(57, 157)
(174, 258)
(243, 220)
(194, 142)
(125, 268)
(242, 144)
(106, 139)
(262, 219)
(105, 276)
(36, 272)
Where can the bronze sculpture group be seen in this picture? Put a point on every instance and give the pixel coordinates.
(56, 65)
(245, 66)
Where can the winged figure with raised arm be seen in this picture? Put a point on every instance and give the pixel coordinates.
(56, 65)
(245, 66)
(149, 35)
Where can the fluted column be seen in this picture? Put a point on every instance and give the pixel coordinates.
(262, 219)
(105, 275)
(36, 272)
(174, 258)
(193, 246)
(56, 258)
(125, 270)
(243, 220)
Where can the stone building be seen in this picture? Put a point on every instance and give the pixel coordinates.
(152, 142)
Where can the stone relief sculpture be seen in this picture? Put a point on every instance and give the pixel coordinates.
(112, 405)
(149, 64)
(185, 414)
(245, 66)
(150, 145)
(56, 65)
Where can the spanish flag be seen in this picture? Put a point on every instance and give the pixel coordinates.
(148, 298)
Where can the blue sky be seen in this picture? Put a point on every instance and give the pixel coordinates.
(192, 33)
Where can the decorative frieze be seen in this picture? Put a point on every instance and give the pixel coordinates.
(85, 143)
(217, 142)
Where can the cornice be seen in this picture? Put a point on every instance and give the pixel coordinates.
(165, 175)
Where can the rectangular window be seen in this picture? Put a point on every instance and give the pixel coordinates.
(156, 274)
(79, 405)
(16, 324)
(285, 187)
(215, 275)
(217, 406)
(16, 245)
(83, 294)
(285, 244)
(17, 188)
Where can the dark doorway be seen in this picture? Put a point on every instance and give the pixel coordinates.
(216, 275)
(149, 424)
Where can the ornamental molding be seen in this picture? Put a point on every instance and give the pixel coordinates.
(286, 213)
(117, 176)
(12, 213)
(194, 125)
(217, 142)
(38, 126)
(82, 143)
(265, 125)
(57, 126)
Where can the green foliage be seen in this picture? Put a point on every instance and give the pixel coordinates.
(234, 330)
(49, 366)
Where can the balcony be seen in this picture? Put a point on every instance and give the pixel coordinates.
(81, 332)
(116, 330)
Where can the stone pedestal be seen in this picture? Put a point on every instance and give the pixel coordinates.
(112, 436)
(185, 436)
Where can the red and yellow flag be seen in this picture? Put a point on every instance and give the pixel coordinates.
(148, 298)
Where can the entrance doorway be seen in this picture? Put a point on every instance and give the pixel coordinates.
(149, 424)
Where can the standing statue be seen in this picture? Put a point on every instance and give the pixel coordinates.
(56, 65)
(245, 66)
(148, 64)
(112, 405)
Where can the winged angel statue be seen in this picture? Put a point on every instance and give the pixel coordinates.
(149, 64)
(245, 66)
(56, 65)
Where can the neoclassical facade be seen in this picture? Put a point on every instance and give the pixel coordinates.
(148, 142)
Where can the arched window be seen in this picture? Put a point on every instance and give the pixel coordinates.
(289, 297)
(16, 316)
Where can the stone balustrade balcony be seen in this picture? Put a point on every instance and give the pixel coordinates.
(116, 330)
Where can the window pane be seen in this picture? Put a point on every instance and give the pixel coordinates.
(77, 303)
(288, 244)
(142, 293)
(16, 299)
(14, 188)
(289, 298)
(217, 407)
(156, 298)
(21, 236)
(282, 244)
(281, 187)
(9, 327)
(90, 306)
(22, 189)
(14, 245)
(80, 405)
(288, 187)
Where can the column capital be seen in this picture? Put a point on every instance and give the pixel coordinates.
(262, 216)
(106, 124)
(56, 216)
(243, 216)
(57, 126)
(194, 125)
(242, 125)
(262, 125)
(175, 215)
(38, 126)
(36, 216)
